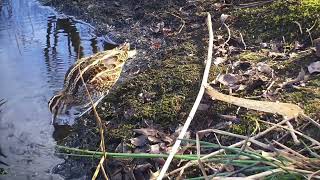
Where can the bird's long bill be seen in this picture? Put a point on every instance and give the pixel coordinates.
(126, 47)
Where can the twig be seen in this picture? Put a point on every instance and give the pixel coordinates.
(308, 31)
(196, 104)
(299, 25)
(310, 151)
(286, 110)
(289, 149)
(237, 136)
(264, 174)
(313, 174)
(293, 135)
(183, 22)
(229, 34)
(297, 132)
(287, 133)
(310, 120)
(189, 164)
(242, 40)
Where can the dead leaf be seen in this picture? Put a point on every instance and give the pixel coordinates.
(203, 107)
(154, 175)
(219, 60)
(317, 45)
(301, 77)
(155, 149)
(141, 172)
(228, 79)
(297, 45)
(146, 131)
(123, 148)
(139, 141)
(314, 67)
(242, 65)
(264, 68)
(165, 138)
(153, 139)
(224, 17)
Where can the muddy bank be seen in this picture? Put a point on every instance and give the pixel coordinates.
(159, 86)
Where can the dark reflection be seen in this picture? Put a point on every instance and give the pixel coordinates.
(93, 44)
(59, 28)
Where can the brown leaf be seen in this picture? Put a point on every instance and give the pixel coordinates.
(317, 45)
(139, 141)
(228, 79)
(155, 149)
(224, 17)
(165, 138)
(264, 68)
(123, 148)
(203, 107)
(146, 131)
(219, 60)
(153, 139)
(314, 67)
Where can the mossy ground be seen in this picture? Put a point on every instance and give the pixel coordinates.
(165, 91)
(280, 20)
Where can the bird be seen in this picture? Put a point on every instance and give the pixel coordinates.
(97, 73)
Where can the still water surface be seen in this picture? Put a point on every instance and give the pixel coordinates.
(37, 46)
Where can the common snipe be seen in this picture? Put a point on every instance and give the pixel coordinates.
(99, 71)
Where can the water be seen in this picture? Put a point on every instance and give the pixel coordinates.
(36, 48)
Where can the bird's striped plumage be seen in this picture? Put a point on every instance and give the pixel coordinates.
(99, 72)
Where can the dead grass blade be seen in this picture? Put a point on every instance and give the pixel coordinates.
(101, 131)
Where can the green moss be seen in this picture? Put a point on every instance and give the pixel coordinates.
(313, 106)
(162, 94)
(252, 56)
(277, 20)
(249, 124)
(123, 132)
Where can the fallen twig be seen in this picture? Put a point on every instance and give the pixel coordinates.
(229, 34)
(242, 40)
(196, 104)
(299, 25)
(309, 31)
(286, 110)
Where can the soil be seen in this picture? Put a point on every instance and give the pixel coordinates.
(159, 86)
